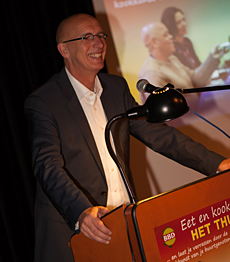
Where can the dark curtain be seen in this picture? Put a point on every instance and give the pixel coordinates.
(28, 59)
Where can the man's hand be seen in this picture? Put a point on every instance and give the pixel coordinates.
(92, 226)
(224, 165)
(218, 51)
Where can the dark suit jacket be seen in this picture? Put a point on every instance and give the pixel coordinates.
(67, 164)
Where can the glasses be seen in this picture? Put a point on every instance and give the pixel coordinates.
(88, 36)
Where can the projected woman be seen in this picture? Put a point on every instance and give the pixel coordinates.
(175, 21)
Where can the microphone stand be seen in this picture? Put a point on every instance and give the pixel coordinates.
(199, 89)
(114, 157)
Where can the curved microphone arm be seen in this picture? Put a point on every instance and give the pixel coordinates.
(162, 105)
(114, 157)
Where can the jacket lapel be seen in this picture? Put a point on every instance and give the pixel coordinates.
(111, 111)
(75, 109)
(107, 101)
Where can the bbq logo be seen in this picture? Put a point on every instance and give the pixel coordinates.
(169, 237)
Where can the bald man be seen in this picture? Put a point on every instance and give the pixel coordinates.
(162, 67)
(77, 180)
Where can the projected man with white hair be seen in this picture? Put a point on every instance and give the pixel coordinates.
(162, 67)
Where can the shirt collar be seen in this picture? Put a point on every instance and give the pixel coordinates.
(82, 90)
(170, 58)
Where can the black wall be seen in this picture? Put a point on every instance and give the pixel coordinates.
(28, 59)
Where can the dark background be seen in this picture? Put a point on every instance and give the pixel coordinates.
(28, 59)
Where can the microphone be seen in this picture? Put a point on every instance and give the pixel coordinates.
(144, 86)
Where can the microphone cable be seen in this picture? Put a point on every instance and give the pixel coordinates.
(209, 122)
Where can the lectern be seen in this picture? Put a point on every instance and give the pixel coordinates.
(190, 223)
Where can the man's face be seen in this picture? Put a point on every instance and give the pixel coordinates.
(165, 40)
(86, 55)
(180, 24)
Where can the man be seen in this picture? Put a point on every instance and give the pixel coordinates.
(77, 180)
(162, 67)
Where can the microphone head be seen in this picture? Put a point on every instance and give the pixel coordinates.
(141, 85)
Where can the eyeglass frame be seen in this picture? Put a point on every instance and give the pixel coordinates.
(88, 34)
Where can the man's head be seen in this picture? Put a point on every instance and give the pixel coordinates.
(84, 56)
(157, 39)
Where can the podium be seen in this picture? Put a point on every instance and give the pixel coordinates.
(189, 223)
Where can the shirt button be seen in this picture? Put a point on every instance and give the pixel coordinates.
(103, 193)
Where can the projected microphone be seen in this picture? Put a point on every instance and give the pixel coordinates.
(144, 86)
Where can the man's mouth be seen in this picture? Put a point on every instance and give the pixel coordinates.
(95, 55)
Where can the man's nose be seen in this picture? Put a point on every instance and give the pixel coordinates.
(98, 40)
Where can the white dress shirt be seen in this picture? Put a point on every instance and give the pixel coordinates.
(93, 109)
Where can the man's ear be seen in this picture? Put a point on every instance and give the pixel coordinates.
(62, 48)
(154, 42)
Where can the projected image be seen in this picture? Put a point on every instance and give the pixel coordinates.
(172, 58)
(181, 42)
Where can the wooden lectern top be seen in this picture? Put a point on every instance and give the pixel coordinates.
(190, 223)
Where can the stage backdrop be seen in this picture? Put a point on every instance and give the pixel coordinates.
(207, 26)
